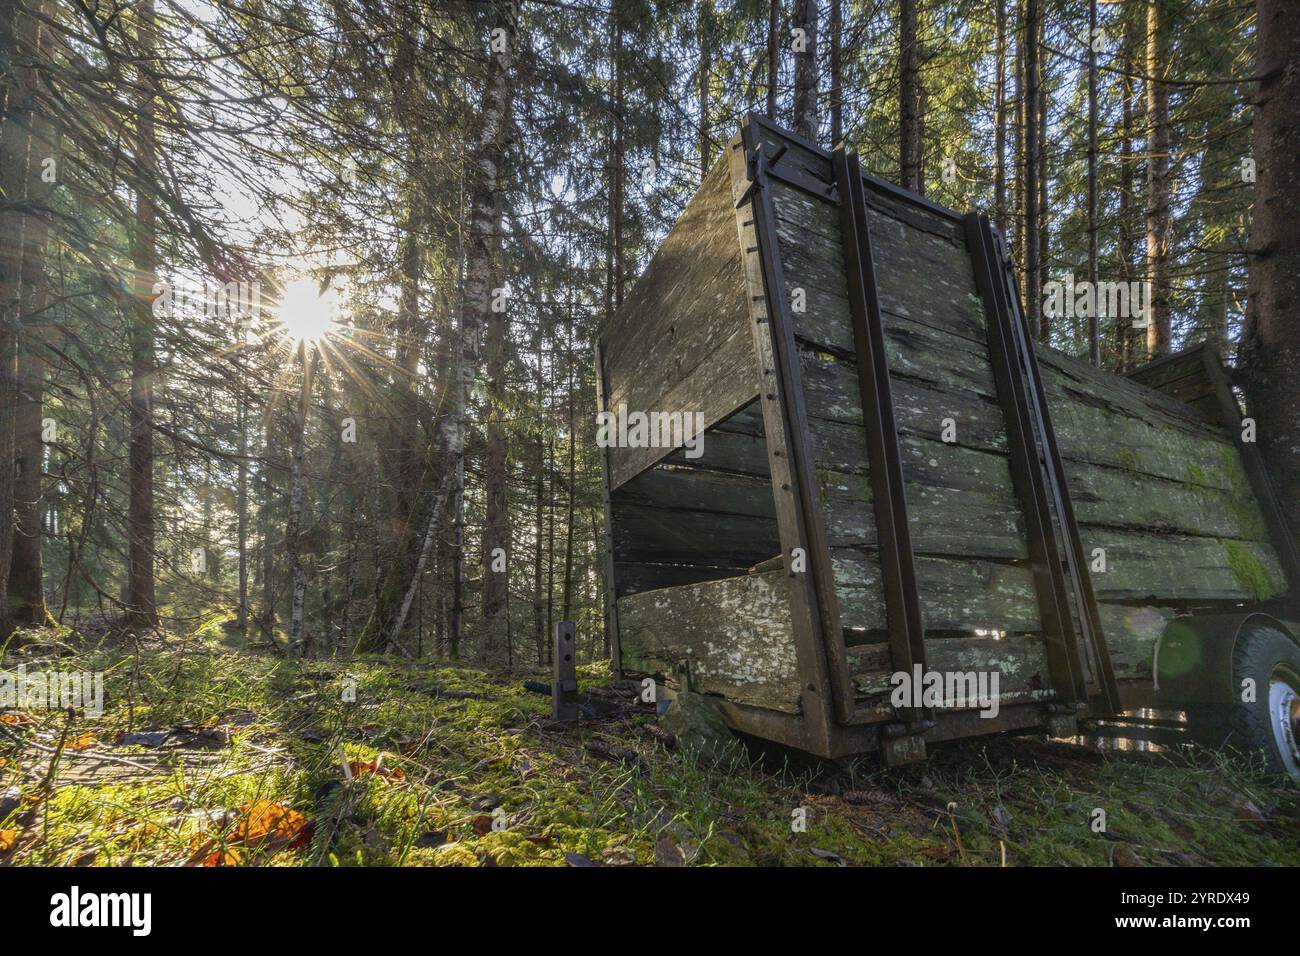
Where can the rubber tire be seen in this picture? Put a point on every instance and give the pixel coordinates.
(1258, 652)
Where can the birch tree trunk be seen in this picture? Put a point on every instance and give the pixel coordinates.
(482, 280)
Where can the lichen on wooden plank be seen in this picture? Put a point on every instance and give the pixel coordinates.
(733, 635)
(956, 594)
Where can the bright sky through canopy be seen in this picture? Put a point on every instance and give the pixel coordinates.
(305, 312)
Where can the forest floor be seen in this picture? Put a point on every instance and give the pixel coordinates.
(210, 752)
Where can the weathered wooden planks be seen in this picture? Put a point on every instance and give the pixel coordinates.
(681, 342)
(693, 519)
(960, 501)
(1020, 662)
(691, 536)
(1175, 569)
(956, 594)
(733, 636)
(1154, 483)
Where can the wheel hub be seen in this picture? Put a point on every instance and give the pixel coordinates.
(1284, 710)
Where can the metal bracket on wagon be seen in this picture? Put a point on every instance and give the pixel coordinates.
(1063, 720)
(903, 743)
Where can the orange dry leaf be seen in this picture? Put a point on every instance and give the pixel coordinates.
(7, 838)
(222, 858)
(268, 820)
(84, 742)
(15, 719)
(361, 768)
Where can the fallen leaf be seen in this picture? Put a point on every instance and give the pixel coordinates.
(15, 718)
(363, 768)
(7, 840)
(228, 857)
(266, 820)
(84, 742)
(482, 824)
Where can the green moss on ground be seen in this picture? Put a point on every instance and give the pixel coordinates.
(487, 779)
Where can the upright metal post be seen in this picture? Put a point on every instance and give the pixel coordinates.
(564, 674)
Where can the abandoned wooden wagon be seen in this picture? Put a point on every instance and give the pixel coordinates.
(890, 479)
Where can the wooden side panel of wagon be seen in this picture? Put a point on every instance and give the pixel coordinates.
(1047, 529)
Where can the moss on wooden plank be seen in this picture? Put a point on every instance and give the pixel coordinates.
(1169, 568)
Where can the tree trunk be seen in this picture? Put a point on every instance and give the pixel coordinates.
(1270, 350)
(1000, 122)
(1094, 328)
(1044, 219)
(299, 645)
(1159, 333)
(241, 499)
(909, 98)
(703, 81)
(837, 72)
(1126, 237)
(571, 488)
(806, 121)
(482, 279)
(13, 169)
(773, 54)
(1032, 102)
(26, 584)
(141, 602)
(539, 517)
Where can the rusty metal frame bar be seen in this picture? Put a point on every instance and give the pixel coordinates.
(1006, 349)
(1059, 487)
(879, 185)
(889, 500)
(827, 639)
